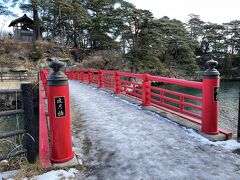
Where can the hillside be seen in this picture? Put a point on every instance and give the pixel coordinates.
(28, 56)
(19, 55)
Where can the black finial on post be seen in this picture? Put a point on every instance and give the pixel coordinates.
(56, 65)
(57, 77)
(211, 72)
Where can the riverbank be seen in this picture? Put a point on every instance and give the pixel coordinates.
(230, 79)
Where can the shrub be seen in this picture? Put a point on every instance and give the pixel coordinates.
(36, 53)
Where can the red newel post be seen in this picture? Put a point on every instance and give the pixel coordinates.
(117, 82)
(70, 74)
(146, 90)
(81, 75)
(75, 74)
(59, 115)
(90, 76)
(210, 103)
(100, 78)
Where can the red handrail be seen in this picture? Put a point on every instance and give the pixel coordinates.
(44, 152)
(184, 105)
(180, 82)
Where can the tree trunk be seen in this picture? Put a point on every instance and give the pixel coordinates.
(36, 25)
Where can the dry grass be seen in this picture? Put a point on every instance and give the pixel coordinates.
(9, 145)
(12, 163)
(17, 53)
(31, 170)
(104, 60)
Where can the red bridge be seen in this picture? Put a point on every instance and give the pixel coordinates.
(197, 112)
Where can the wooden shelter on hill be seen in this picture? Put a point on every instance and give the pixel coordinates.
(22, 28)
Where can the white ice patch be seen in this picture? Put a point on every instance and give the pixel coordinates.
(8, 174)
(227, 145)
(51, 175)
(58, 174)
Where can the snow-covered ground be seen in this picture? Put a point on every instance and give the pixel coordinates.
(51, 175)
(119, 140)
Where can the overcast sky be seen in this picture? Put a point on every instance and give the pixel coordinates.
(215, 11)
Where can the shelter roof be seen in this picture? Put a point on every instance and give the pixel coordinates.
(24, 20)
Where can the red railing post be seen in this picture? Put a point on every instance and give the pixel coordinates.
(100, 79)
(75, 74)
(81, 76)
(117, 83)
(59, 115)
(71, 74)
(146, 90)
(181, 103)
(89, 76)
(78, 74)
(210, 103)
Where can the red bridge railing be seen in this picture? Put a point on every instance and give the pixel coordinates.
(143, 90)
(44, 153)
(142, 87)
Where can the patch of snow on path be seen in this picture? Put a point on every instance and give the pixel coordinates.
(57, 174)
(51, 175)
(8, 174)
(121, 141)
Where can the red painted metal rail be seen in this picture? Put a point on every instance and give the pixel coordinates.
(142, 87)
(44, 152)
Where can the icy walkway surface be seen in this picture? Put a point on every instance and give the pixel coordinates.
(119, 140)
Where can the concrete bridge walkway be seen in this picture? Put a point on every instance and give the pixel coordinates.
(119, 140)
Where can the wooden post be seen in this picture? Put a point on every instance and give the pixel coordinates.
(30, 123)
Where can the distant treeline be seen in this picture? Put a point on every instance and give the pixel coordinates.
(148, 44)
